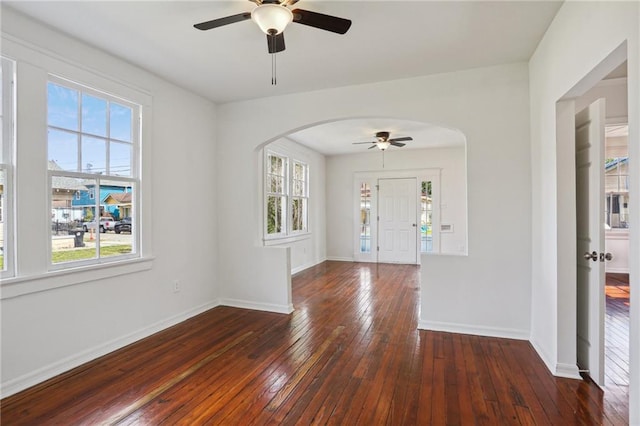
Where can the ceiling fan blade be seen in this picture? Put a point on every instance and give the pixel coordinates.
(398, 144)
(275, 43)
(321, 21)
(407, 138)
(288, 2)
(223, 21)
(373, 146)
(258, 2)
(359, 143)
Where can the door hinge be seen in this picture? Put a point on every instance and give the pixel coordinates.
(378, 248)
(378, 187)
(378, 218)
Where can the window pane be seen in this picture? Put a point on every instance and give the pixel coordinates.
(63, 150)
(298, 214)
(68, 240)
(120, 159)
(274, 214)
(94, 115)
(94, 155)
(62, 107)
(120, 120)
(117, 211)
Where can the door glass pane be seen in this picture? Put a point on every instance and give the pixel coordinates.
(365, 218)
(426, 213)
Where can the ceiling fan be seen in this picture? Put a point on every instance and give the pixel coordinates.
(383, 142)
(273, 16)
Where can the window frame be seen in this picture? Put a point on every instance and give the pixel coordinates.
(7, 165)
(132, 181)
(304, 197)
(287, 233)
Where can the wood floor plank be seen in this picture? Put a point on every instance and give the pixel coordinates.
(349, 354)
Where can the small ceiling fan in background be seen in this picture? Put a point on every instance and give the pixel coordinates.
(273, 16)
(383, 142)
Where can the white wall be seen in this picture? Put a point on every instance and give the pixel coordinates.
(581, 36)
(490, 106)
(65, 324)
(340, 191)
(312, 248)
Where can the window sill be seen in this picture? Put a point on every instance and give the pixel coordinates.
(20, 286)
(277, 241)
(617, 234)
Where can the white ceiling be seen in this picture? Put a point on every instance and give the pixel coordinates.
(388, 40)
(338, 137)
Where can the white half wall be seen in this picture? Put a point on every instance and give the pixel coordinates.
(55, 329)
(581, 37)
(490, 106)
(310, 249)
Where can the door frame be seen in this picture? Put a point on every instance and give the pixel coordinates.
(371, 178)
(564, 222)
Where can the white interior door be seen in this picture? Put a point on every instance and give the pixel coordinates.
(590, 239)
(397, 220)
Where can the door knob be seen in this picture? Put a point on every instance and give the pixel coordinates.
(593, 256)
(605, 256)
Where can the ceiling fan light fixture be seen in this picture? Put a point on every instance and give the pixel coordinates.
(272, 17)
(382, 145)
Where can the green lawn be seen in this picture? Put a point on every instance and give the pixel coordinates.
(88, 253)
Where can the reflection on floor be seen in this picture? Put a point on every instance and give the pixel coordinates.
(617, 338)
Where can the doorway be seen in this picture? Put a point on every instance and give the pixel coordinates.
(397, 221)
(603, 308)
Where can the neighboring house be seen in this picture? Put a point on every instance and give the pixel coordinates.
(113, 199)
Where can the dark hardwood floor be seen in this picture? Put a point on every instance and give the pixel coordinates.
(349, 354)
(617, 339)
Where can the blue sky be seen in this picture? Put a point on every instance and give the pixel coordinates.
(92, 121)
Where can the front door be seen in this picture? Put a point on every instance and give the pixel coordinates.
(590, 239)
(397, 221)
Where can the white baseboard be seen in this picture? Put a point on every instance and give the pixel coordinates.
(257, 306)
(506, 333)
(306, 266)
(40, 375)
(340, 259)
(617, 270)
(569, 371)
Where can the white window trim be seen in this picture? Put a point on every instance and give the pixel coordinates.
(8, 144)
(288, 236)
(29, 270)
(134, 179)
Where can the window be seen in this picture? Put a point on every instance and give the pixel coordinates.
(299, 197)
(365, 218)
(616, 178)
(287, 196)
(93, 141)
(276, 194)
(7, 105)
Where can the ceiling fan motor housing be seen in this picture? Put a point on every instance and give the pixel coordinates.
(382, 136)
